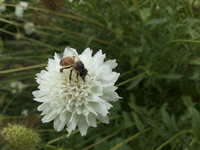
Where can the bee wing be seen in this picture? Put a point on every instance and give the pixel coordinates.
(59, 55)
(69, 52)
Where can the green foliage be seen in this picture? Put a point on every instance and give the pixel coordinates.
(156, 45)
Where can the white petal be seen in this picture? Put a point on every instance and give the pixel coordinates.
(79, 110)
(93, 98)
(97, 89)
(109, 94)
(90, 108)
(42, 74)
(91, 120)
(103, 119)
(65, 117)
(58, 56)
(49, 117)
(82, 125)
(38, 93)
(85, 111)
(43, 99)
(71, 125)
(58, 125)
(111, 63)
(44, 106)
(101, 107)
(86, 56)
(69, 53)
(99, 57)
(110, 78)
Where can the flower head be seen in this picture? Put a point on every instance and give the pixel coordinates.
(16, 136)
(29, 28)
(2, 7)
(19, 9)
(69, 100)
(17, 86)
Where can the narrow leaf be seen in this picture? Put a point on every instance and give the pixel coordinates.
(169, 76)
(138, 122)
(135, 81)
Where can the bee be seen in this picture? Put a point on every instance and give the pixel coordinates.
(73, 61)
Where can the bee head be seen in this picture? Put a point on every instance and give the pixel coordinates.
(83, 73)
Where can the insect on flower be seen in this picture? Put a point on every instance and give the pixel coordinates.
(72, 105)
(73, 61)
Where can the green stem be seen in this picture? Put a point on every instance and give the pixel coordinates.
(129, 80)
(129, 139)
(172, 138)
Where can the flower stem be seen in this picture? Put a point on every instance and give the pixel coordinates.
(23, 68)
(129, 139)
(172, 138)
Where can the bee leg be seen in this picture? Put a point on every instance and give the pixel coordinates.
(70, 75)
(77, 76)
(61, 70)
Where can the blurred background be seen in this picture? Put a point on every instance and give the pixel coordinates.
(156, 45)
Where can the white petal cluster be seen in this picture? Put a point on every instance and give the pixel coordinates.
(80, 2)
(2, 7)
(29, 28)
(17, 87)
(19, 9)
(77, 103)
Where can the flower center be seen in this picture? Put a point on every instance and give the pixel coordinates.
(75, 92)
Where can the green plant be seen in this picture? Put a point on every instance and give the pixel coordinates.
(156, 45)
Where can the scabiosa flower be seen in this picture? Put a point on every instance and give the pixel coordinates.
(24, 112)
(77, 102)
(19, 9)
(2, 7)
(29, 28)
(19, 137)
(80, 2)
(17, 87)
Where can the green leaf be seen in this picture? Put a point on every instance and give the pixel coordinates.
(187, 101)
(155, 21)
(170, 122)
(196, 75)
(138, 122)
(166, 118)
(194, 62)
(135, 81)
(133, 105)
(174, 123)
(195, 121)
(169, 76)
(126, 117)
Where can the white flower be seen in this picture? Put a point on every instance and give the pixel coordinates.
(29, 28)
(17, 86)
(81, 2)
(24, 112)
(19, 9)
(2, 7)
(77, 103)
